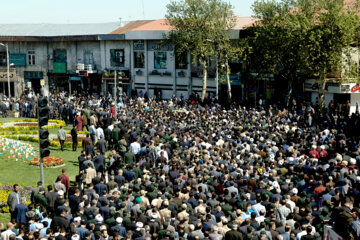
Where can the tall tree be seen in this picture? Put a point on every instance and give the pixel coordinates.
(333, 32)
(274, 41)
(196, 26)
(293, 37)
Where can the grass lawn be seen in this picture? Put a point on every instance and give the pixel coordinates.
(21, 172)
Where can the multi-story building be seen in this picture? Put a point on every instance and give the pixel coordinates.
(84, 57)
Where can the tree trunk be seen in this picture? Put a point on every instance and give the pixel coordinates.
(289, 93)
(204, 80)
(322, 90)
(228, 81)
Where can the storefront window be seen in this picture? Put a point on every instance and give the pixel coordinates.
(117, 57)
(139, 59)
(181, 60)
(160, 60)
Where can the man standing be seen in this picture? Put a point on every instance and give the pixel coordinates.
(99, 162)
(62, 137)
(101, 145)
(13, 200)
(65, 180)
(21, 210)
(74, 138)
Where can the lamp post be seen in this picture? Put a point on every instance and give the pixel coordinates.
(8, 67)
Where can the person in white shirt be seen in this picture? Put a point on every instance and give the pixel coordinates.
(99, 133)
(6, 234)
(158, 154)
(135, 147)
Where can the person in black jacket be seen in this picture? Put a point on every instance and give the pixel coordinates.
(74, 136)
(99, 162)
(60, 221)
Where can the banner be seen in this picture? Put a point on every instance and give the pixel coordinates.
(330, 234)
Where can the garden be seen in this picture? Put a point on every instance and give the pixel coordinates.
(19, 157)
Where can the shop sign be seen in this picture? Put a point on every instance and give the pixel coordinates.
(17, 59)
(59, 67)
(159, 46)
(355, 88)
(3, 75)
(139, 45)
(315, 86)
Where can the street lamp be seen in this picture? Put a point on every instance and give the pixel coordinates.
(8, 67)
(217, 69)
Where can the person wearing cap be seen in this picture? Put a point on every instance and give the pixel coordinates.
(119, 226)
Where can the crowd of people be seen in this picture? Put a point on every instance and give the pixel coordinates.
(178, 169)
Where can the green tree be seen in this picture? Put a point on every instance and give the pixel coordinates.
(274, 41)
(196, 26)
(293, 37)
(332, 33)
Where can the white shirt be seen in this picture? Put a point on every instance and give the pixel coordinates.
(99, 133)
(135, 147)
(5, 235)
(165, 154)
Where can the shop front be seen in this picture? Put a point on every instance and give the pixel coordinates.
(124, 85)
(4, 81)
(339, 93)
(32, 80)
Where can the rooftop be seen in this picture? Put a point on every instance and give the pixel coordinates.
(52, 30)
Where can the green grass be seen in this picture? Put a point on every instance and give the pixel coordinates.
(21, 172)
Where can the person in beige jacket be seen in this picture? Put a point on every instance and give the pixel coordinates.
(90, 174)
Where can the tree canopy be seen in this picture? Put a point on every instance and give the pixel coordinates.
(196, 26)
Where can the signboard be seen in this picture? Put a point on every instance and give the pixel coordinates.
(330, 234)
(33, 74)
(315, 86)
(3, 75)
(159, 46)
(59, 67)
(139, 45)
(17, 59)
(74, 78)
(355, 88)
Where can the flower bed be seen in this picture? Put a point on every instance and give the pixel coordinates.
(32, 125)
(48, 162)
(25, 124)
(5, 191)
(53, 143)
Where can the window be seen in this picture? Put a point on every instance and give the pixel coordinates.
(2, 58)
(88, 58)
(31, 57)
(139, 58)
(60, 56)
(181, 60)
(117, 57)
(160, 60)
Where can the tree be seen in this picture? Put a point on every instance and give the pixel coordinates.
(196, 26)
(333, 32)
(274, 41)
(293, 37)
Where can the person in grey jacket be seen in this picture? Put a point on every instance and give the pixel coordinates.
(13, 200)
(62, 137)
